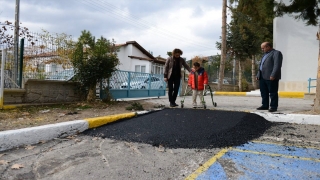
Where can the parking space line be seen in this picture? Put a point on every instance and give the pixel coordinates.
(281, 144)
(277, 155)
(261, 160)
(206, 165)
(281, 149)
(286, 140)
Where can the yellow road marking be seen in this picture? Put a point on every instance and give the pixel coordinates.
(99, 121)
(206, 165)
(277, 155)
(264, 142)
(285, 94)
(10, 107)
(230, 93)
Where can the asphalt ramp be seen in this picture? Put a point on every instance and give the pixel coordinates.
(187, 128)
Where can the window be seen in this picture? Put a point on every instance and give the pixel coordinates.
(157, 69)
(139, 68)
(143, 69)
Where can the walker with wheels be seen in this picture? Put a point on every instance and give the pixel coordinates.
(205, 91)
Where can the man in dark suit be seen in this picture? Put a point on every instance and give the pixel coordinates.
(269, 75)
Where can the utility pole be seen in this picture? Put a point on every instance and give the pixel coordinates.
(223, 44)
(16, 42)
(3, 58)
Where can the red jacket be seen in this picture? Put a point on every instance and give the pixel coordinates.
(202, 79)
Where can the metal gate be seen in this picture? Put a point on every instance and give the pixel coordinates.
(126, 84)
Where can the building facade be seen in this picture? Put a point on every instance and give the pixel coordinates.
(300, 48)
(134, 57)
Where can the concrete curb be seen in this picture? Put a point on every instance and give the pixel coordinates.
(282, 94)
(291, 118)
(26, 136)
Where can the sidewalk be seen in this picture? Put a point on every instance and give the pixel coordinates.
(288, 111)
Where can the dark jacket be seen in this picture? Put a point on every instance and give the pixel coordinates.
(169, 65)
(271, 66)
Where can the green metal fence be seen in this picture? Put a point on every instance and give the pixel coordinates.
(126, 84)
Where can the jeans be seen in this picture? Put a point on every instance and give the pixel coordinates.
(173, 85)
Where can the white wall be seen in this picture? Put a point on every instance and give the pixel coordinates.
(128, 64)
(125, 61)
(299, 47)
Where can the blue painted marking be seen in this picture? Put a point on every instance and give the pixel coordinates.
(246, 165)
(254, 166)
(215, 169)
(284, 150)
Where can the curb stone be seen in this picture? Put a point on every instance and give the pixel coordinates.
(33, 135)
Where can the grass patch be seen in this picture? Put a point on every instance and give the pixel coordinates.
(135, 106)
(83, 107)
(159, 106)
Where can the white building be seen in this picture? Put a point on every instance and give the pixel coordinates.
(299, 46)
(134, 57)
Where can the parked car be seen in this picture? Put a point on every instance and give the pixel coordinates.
(105, 84)
(64, 75)
(142, 82)
(224, 81)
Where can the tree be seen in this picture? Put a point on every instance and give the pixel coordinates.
(93, 61)
(254, 18)
(58, 46)
(223, 44)
(251, 24)
(6, 37)
(309, 12)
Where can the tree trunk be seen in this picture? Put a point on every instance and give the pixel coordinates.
(223, 44)
(240, 77)
(91, 97)
(253, 71)
(316, 106)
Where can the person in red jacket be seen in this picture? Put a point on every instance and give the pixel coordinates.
(198, 79)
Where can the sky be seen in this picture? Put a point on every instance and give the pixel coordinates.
(194, 26)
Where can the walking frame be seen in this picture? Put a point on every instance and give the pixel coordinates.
(206, 89)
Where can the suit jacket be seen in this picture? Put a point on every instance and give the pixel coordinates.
(169, 65)
(271, 66)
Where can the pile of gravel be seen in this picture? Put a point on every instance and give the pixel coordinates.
(187, 128)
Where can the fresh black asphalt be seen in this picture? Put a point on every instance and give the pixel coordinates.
(187, 128)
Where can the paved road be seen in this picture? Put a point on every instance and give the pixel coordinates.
(87, 157)
(243, 103)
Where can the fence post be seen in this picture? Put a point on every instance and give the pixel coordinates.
(309, 82)
(149, 82)
(2, 77)
(129, 82)
(21, 62)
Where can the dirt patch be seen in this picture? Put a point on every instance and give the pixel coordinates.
(30, 116)
(310, 112)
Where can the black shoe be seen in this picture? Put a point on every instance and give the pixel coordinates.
(262, 108)
(175, 104)
(272, 110)
(172, 105)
